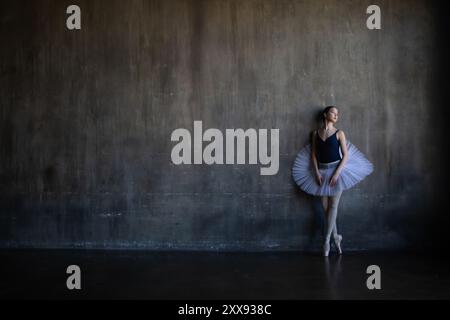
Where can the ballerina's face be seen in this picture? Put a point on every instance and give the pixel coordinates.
(332, 115)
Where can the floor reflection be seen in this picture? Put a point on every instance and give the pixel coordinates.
(333, 273)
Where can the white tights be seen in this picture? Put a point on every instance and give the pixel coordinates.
(330, 205)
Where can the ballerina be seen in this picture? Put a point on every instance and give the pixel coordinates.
(327, 167)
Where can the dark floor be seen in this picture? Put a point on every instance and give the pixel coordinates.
(37, 274)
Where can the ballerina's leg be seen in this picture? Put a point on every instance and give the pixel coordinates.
(332, 215)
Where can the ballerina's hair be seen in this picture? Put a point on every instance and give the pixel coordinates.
(320, 115)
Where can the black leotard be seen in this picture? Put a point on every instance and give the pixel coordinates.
(328, 150)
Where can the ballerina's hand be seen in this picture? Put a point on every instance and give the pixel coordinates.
(319, 178)
(334, 179)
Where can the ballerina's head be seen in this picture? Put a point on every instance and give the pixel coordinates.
(330, 114)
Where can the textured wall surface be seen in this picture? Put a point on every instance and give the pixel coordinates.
(86, 119)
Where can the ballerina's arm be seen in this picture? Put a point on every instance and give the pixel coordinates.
(343, 143)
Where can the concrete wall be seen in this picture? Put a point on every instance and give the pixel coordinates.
(86, 120)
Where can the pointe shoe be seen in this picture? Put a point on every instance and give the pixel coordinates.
(326, 249)
(337, 241)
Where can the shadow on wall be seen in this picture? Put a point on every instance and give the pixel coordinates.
(316, 223)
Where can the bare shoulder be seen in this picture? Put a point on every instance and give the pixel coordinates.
(341, 134)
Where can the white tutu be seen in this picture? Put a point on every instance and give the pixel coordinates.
(355, 170)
